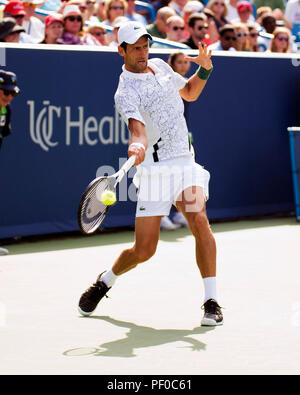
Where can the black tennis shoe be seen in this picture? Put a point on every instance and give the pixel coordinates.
(212, 314)
(92, 296)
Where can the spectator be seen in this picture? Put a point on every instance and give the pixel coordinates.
(175, 29)
(178, 6)
(90, 11)
(281, 42)
(245, 13)
(95, 35)
(54, 27)
(198, 28)
(253, 35)
(213, 32)
(233, 15)
(32, 25)
(81, 5)
(73, 26)
(118, 22)
(190, 8)
(281, 19)
(10, 31)
(269, 3)
(159, 27)
(292, 12)
(268, 23)
(100, 10)
(8, 90)
(242, 37)
(132, 15)
(227, 39)
(219, 8)
(113, 9)
(15, 9)
(232, 10)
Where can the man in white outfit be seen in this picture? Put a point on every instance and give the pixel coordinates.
(149, 99)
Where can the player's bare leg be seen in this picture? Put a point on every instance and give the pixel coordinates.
(192, 204)
(146, 238)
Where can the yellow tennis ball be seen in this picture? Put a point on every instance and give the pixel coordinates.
(108, 198)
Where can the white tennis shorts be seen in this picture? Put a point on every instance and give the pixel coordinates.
(160, 184)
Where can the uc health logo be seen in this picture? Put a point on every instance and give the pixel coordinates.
(50, 126)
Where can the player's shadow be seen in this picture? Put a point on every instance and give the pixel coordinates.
(140, 337)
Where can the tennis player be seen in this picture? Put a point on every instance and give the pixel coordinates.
(149, 98)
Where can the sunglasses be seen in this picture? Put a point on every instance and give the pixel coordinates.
(217, 3)
(98, 33)
(8, 92)
(228, 38)
(254, 35)
(28, 4)
(73, 18)
(177, 28)
(115, 7)
(281, 38)
(242, 34)
(18, 16)
(202, 27)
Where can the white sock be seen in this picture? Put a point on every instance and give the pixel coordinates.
(109, 278)
(210, 288)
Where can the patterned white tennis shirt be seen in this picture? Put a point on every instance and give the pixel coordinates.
(154, 100)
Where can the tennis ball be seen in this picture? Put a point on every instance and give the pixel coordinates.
(108, 198)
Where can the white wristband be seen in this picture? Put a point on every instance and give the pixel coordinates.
(137, 145)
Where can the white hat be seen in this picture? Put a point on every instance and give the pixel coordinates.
(71, 9)
(130, 32)
(193, 6)
(35, 2)
(118, 22)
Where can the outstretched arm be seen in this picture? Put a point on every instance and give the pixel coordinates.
(197, 82)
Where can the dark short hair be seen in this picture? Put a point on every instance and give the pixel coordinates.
(124, 45)
(197, 16)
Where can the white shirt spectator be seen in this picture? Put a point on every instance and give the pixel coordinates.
(154, 100)
(292, 11)
(35, 29)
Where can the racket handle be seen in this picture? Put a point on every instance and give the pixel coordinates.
(128, 165)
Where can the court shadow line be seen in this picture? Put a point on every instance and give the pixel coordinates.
(140, 337)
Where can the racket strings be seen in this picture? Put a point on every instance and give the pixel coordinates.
(92, 211)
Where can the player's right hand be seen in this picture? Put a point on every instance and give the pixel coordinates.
(138, 151)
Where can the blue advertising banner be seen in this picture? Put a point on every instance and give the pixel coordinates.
(65, 129)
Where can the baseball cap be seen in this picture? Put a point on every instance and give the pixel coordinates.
(71, 9)
(193, 6)
(244, 6)
(14, 8)
(131, 31)
(8, 80)
(53, 18)
(9, 26)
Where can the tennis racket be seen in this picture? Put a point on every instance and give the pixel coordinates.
(92, 211)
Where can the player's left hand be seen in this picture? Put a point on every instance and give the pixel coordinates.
(204, 57)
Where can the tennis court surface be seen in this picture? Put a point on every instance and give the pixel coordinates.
(150, 322)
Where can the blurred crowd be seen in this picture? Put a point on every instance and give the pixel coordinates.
(225, 25)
